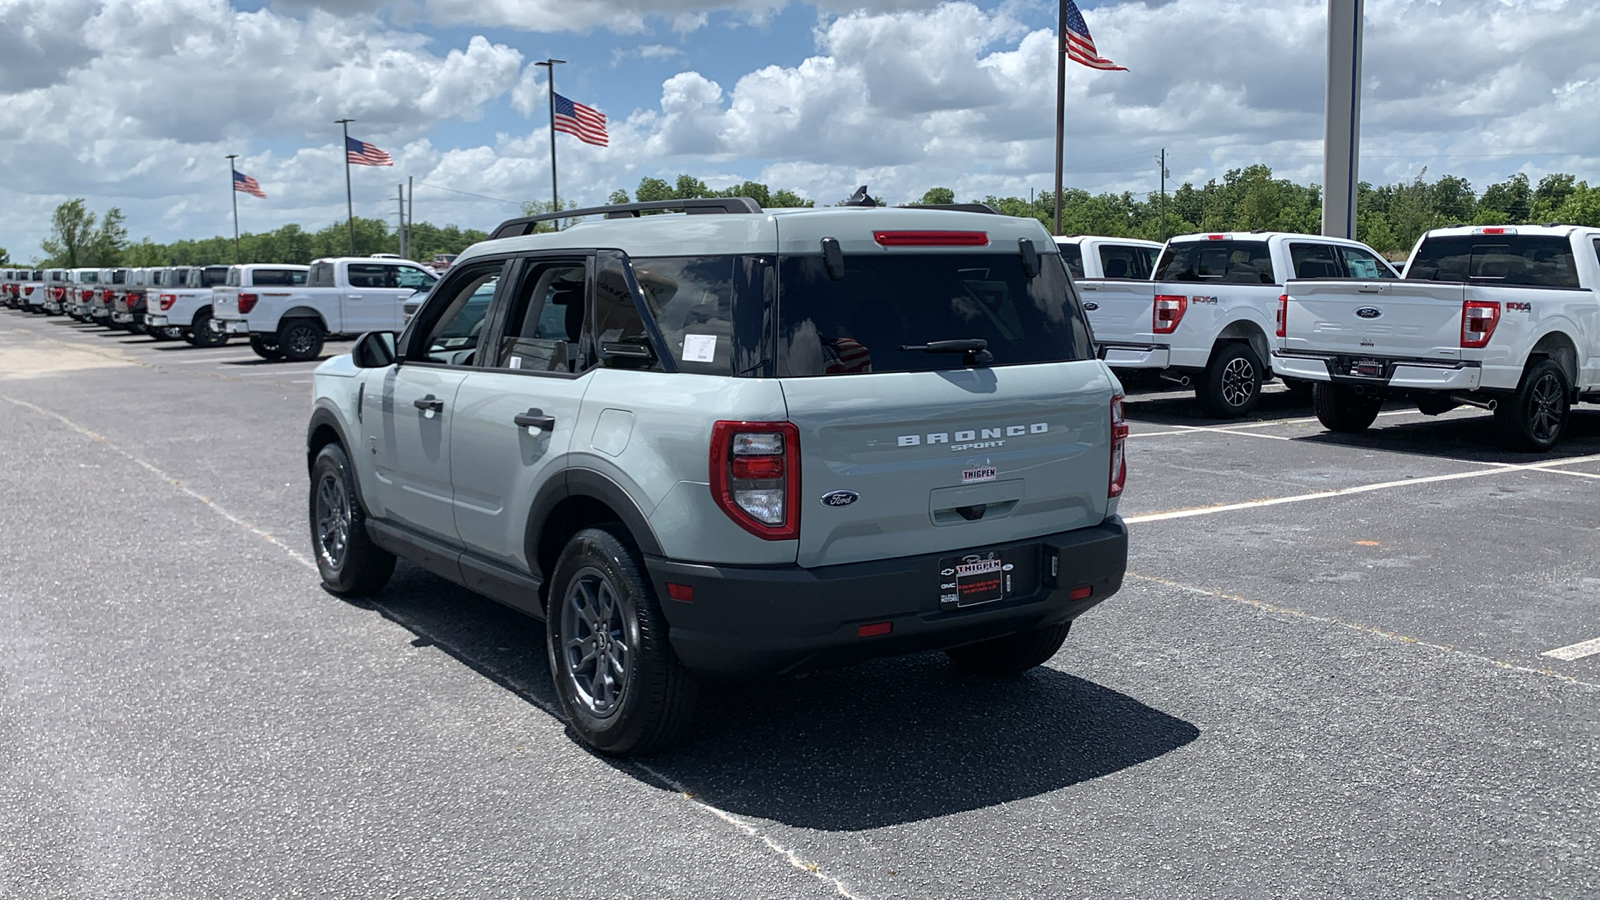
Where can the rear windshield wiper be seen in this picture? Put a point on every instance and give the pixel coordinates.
(974, 351)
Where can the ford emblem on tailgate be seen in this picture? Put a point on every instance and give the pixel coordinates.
(1369, 312)
(840, 498)
(1091, 306)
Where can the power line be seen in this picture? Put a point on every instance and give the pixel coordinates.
(471, 194)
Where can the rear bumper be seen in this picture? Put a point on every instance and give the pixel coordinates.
(230, 326)
(1399, 374)
(752, 620)
(156, 320)
(1136, 356)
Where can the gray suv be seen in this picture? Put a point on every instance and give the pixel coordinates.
(736, 441)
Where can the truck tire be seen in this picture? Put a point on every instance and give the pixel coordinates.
(619, 682)
(201, 334)
(266, 347)
(1230, 386)
(1012, 654)
(1339, 408)
(300, 339)
(351, 565)
(1534, 418)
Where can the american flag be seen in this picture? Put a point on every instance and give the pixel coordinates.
(581, 122)
(361, 153)
(1080, 46)
(243, 182)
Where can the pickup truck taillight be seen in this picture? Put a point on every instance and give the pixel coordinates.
(1119, 443)
(58, 293)
(247, 302)
(755, 476)
(27, 291)
(167, 300)
(1478, 319)
(106, 295)
(86, 294)
(1283, 315)
(1167, 313)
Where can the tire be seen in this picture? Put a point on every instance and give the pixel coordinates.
(351, 565)
(201, 334)
(300, 340)
(265, 347)
(1012, 654)
(1339, 408)
(156, 334)
(602, 603)
(1534, 418)
(1230, 386)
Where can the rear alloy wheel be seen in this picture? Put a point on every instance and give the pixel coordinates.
(1534, 417)
(619, 681)
(266, 347)
(1230, 386)
(202, 334)
(351, 565)
(300, 339)
(1340, 408)
(1012, 654)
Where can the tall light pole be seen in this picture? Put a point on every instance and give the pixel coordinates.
(1342, 125)
(550, 82)
(349, 197)
(233, 191)
(1061, 101)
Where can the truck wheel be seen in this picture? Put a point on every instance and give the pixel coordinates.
(265, 347)
(1231, 384)
(1012, 654)
(620, 684)
(156, 334)
(1339, 408)
(300, 339)
(202, 335)
(1534, 417)
(351, 565)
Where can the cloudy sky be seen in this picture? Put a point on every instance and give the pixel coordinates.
(136, 103)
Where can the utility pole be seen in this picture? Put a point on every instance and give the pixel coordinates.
(233, 189)
(1342, 123)
(1061, 101)
(349, 197)
(411, 209)
(1163, 158)
(550, 82)
(400, 226)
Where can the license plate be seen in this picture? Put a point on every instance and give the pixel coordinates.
(1371, 368)
(974, 578)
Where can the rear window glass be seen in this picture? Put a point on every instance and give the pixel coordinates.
(321, 275)
(859, 324)
(213, 276)
(88, 277)
(692, 302)
(278, 277)
(1225, 262)
(1124, 261)
(1538, 260)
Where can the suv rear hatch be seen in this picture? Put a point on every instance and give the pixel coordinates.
(907, 452)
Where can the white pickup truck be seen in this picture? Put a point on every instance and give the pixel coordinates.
(342, 296)
(1121, 259)
(181, 307)
(1504, 318)
(1206, 316)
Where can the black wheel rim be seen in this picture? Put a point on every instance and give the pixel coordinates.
(333, 520)
(1238, 382)
(1546, 402)
(299, 340)
(595, 647)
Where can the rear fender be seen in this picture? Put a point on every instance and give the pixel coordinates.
(304, 312)
(1250, 331)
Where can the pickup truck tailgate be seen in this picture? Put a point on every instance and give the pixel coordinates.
(1119, 311)
(1392, 319)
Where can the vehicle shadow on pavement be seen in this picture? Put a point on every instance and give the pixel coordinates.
(1184, 409)
(882, 743)
(1473, 438)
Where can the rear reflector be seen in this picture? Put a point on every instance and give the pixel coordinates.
(931, 238)
(1081, 593)
(876, 629)
(681, 592)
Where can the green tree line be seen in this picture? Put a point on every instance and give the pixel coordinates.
(1390, 217)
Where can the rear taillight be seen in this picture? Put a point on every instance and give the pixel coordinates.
(1283, 315)
(247, 302)
(27, 291)
(106, 295)
(167, 300)
(85, 294)
(755, 476)
(1167, 313)
(1478, 319)
(1119, 442)
(58, 293)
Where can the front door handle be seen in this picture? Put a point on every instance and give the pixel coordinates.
(535, 418)
(429, 403)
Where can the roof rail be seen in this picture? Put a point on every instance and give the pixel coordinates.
(694, 206)
(956, 207)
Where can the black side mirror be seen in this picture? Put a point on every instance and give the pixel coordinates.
(373, 350)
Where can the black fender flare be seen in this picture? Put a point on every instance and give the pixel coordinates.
(580, 482)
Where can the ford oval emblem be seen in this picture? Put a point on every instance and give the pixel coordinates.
(840, 498)
(1091, 306)
(1369, 312)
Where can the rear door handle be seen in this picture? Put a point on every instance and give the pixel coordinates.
(535, 418)
(429, 403)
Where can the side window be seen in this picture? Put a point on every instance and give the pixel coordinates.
(1315, 261)
(1359, 263)
(1597, 248)
(624, 341)
(369, 275)
(544, 324)
(1072, 256)
(321, 275)
(454, 318)
(1121, 261)
(413, 278)
(691, 300)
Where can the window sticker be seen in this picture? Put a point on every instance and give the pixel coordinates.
(515, 362)
(699, 347)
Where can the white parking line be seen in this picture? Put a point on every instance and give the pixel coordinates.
(280, 372)
(1359, 489)
(1575, 651)
(199, 360)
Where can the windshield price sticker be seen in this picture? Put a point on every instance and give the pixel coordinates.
(976, 474)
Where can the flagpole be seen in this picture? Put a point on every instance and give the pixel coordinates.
(1061, 101)
(233, 189)
(349, 197)
(550, 82)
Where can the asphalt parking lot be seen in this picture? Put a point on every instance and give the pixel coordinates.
(1341, 666)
